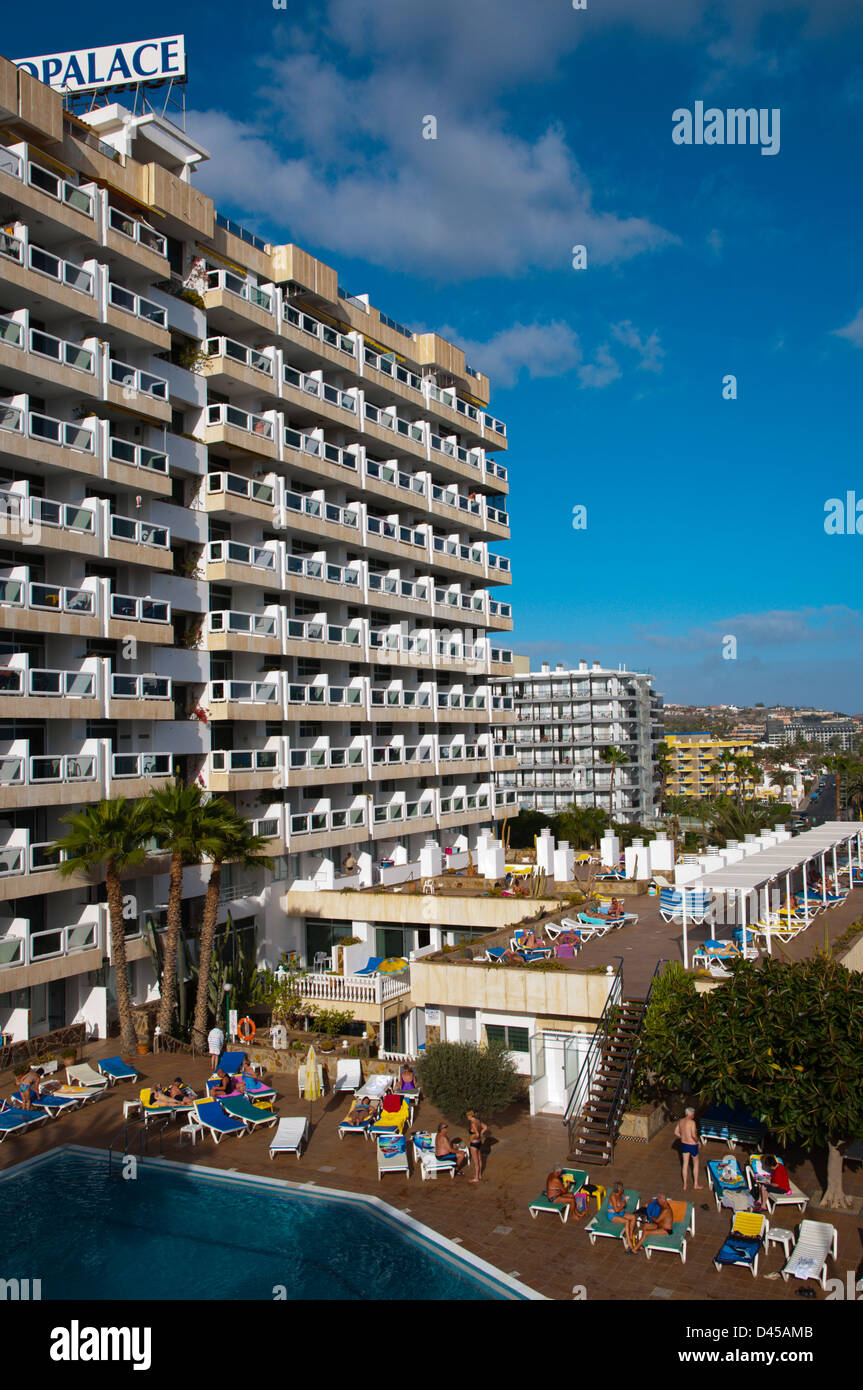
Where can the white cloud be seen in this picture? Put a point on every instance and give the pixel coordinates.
(853, 331)
(776, 627)
(649, 349)
(540, 349)
(601, 371)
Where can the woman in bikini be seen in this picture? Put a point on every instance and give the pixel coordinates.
(477, 1132)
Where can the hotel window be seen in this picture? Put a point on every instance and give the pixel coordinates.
(512, 1039)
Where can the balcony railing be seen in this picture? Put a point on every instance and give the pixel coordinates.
(249, 624)
(11, 163)
(72, 685)
(314, 758)
(67, 273)
(387, 420)
(63, 941)
(320, 510)
(324, 632)
(356, 989)
(124, 528)
(392, 531)
(59, 188)
(18, 593)
(236, 486)
(46, 345)
(137, 456)
(235, 553)
(388, 366)
(137, 231)
(386, 473)
(318, 448)
(472, 554)
(316, 329)
(321, 570)
(244, 289)
(140, 610)
(455, 451)
(311, 386)
(224, 414)
(245, 692)
(18, 770)
(450, 598)
(140, 687)
(239, 352)
(244, 760)
(137, 304)
(351, 695)
(317, 822)
(402, 588)
(455, 805)
(133, 378)
(125, 765)
(46, 428)
(401, 699)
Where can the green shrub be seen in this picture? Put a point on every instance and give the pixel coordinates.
(332, 1021)
(458, 1077)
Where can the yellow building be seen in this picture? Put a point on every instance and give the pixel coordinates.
(702, 765)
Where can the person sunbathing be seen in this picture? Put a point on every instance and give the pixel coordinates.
(555, 1191)
(225, 1085)
(531, 942)
(178, 1090)
(158, 1097)
(615, 1211)
(446, 1151)
(408, 1080)
(660, 1221)
(615, 909)
(360, 1112)
(568, 938)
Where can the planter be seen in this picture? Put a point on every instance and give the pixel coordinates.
(643, 1124)
(143, 1049)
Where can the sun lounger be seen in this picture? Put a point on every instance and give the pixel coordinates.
(211, 1116)
(744, 1243)
(232, 1062)
(51, 1105)
(755, 1173)
(725, 1175)
(816, 1240)
(153, 1112)
(733, 1125)
(371, 966)
(430, 1164)
(377, 1086)
(85, 1075)
(600, 1225)
(675, 1242)
(496, 955)
(629, 919)
(590, 927)
(292, 1134)
(15, 1121)
(391, 1120)
(349, 1075)
(347, 1127)
(699, 906)
(301, 1077)
(116, 1069)
(392, 1155)
(241, 1108)
(561, 1209)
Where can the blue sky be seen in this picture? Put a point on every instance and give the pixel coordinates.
(705, 517)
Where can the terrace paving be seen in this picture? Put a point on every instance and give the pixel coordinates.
(490, 1219)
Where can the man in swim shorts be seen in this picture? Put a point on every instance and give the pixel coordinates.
(687, 1132)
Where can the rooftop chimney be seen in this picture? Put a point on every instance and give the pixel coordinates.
(545, 668)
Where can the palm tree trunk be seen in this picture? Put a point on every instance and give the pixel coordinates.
(205, 959)
(172, 936)
(114, 893)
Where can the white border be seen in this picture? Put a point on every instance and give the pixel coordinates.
(416, 1231)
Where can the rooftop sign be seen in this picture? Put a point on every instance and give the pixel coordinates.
(118, 65)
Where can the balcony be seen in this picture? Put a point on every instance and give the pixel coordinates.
(132, 233)
(320, 390)
(151, 463)
(296, 324)
(20, 948)
(126, 530)
(356, 989)
(240, 496)
(148, 392)
(19, 423)
(244, 769)
(148, 687)
(318, 449)
(16, 333)
(46, 181)
(225, 281)
(222, 556)
(149, 314)
(230, 417)
(140, 767)
(239, 354)
(245, 699)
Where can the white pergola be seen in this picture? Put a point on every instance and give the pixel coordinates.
(757, 872)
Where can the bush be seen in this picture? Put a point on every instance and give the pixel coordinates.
(458, 1077)
(332, 1021)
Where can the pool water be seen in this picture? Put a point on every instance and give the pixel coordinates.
(172, 1235)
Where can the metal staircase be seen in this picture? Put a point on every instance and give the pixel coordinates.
(601, 1092)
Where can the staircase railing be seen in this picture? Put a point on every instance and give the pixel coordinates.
(624, 1085)
(140, 1139)
(587, 1070)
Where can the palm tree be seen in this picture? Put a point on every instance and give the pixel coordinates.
(229, 836)
(854, 787)
(614, 757)
(663, 767)
(732, 820)
(182, 821)
(722, 767)
(582, 826)
(746, 769)
(111, 836)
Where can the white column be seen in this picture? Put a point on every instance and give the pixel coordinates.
(685, 935)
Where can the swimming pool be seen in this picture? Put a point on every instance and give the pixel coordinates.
(179, 1232)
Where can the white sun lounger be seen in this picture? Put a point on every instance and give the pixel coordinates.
(795, 1198)
(808, 1260)
(291, 1135)
(85, 1075)
(392, 1163)
(349, 1075)
(377, 1086)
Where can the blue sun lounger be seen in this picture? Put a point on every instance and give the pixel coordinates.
(241, 1108)
(371, 966)
(733, 1125)
(725, 1175)
(116, 1069)
(211, 1116)
(16, 1121)
(51, 1105)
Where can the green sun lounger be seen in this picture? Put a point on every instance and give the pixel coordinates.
(561, 1209)
(600, 1225)
(684, 1226)
(242, 1109)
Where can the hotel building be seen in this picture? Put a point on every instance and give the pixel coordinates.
(564, 722)
(251, 534)
(701, 765)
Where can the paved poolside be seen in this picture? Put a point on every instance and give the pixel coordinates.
(491, 1219)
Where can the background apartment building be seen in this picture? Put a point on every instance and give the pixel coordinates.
(564, 721)
(251, 531)
(702, 765)
(840, 734)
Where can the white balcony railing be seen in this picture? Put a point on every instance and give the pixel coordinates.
(135, 230)
(356, 989)
(138, 305)
(243, 289)
(316, 329)
(239, 352)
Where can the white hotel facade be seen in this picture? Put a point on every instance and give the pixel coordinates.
(251, 535)
(565, 720)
